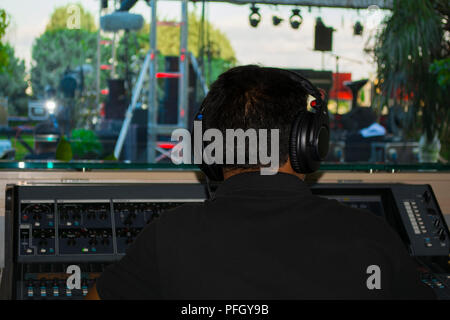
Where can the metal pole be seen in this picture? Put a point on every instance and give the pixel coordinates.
(198, 71)
(131, 107)
(183, 96)
(97, 96)
(113, 49)
(152, 99)
(337, 84)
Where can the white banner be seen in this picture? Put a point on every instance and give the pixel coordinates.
(356, 4)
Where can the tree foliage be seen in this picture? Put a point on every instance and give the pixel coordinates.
(218, 50)
(55, 51)
(13, 83)
(85, 144)
(442, 69)
(404, 51)
(12, 73)
(61, 15)
(4, 22)
(168, 39)
(59, 48)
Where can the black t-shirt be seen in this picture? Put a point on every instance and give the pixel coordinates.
(264, 237)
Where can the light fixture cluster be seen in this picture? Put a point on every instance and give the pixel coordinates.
(358, 29)
(255, 17)
(295, 19)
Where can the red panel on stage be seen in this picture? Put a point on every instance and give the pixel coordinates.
(339, 89)
(160, 75)
(166, 145)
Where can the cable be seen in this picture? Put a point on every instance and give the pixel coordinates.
(201, 38)
(208, 189)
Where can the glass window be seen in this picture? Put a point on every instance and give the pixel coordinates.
(92, 83)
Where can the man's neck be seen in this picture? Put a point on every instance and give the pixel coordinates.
(286, 168)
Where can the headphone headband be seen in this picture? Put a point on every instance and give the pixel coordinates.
(311, 89)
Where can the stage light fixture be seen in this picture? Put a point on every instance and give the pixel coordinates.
(51, 106)
(295, 19)
(358, 29)
(276, 20)
(255, 17)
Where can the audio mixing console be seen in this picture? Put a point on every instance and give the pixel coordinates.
(52, 231)
(51, 228)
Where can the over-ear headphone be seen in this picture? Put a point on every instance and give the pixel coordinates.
(309, 137)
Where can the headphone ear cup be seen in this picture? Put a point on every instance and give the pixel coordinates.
(306, 139)
(312, 162)
(295, 154)
(302, 145)
(322, 142)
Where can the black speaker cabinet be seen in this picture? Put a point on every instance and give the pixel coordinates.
(168, 104)
(117, 102)
(323, 37)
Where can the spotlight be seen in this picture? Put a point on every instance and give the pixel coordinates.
(51, 106)
(295, 19)
(276, 20)
(254, 18)
(358, 29)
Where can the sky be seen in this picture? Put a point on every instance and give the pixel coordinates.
(277, 46)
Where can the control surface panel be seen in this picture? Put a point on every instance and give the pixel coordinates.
(54, 228)
(410, 209)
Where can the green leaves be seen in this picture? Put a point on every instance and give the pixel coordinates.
(13, 83)
(56, 50)
(85, 144)
(405, 49)
(64, 150)
(220, 50)
(62, 15)
(4, 22)
(442, 69)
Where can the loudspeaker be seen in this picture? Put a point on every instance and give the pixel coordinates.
(169, 103)
(323, 37)
(135, 147)
(117, 102)
(168, 106)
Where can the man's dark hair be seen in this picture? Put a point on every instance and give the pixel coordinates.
(254, 97)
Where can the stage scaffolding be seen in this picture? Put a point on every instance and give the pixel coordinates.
(150, 67)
